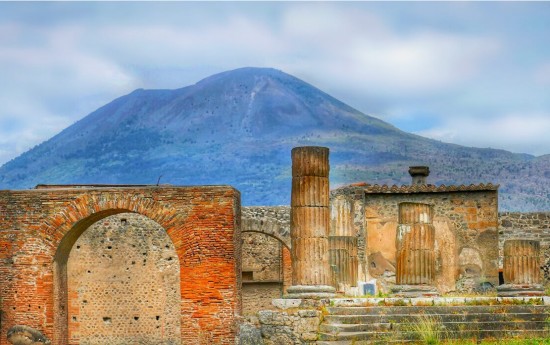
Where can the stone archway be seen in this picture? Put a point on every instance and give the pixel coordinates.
(38, 229)
(273, 221)
(267, 267)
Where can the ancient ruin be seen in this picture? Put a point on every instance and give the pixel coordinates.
(309, 223)
(415, 268)
(96, 264)
(464, 221)
(521, 269)
(434, 240)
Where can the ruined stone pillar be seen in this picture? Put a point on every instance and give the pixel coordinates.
(309, 223)
(342, 244)
(521, 269)
(415, 269)
(343, 261)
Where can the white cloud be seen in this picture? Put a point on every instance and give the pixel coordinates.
(357, 50)
(522, 133)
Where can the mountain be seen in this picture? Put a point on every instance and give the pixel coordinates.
(238, 128)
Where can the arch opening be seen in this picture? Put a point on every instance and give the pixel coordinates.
(266, 270)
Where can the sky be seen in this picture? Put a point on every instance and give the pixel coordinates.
(470, 73)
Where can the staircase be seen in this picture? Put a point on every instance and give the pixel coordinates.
(354, 323)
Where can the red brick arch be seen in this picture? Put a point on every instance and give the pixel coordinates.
(202, 222)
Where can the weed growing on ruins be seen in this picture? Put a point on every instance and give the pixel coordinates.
(381, 294)
(486, 293)
(519, 341)
(427, 329)
(399, 303)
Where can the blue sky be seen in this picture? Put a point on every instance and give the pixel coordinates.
(471, 73)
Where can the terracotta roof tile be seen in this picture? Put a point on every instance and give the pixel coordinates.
(427, 188)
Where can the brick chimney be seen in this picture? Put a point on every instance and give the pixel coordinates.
(419, 174)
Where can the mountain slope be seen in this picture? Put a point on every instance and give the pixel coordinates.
(238, 128)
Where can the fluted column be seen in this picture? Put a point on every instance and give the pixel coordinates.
(343, 244)
(415, 269)
(343, 260)
(521, 269)
(309, 223)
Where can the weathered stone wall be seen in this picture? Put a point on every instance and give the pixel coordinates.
(465, 227)
(270, 220)
(262, 271)
(266, 259)
(258, 296)
(38, 230)
(527, 226)
(124, 284)
(292, 322)
(261, 258)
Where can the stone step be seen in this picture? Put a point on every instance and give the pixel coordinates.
(412, 336)
(393, 323)
(364, 342)
(449, 326)
(465, 317)
(458, 309)
(439, 301)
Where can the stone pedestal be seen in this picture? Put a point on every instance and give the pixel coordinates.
(309, 224)
(415, 251)
(521, 269)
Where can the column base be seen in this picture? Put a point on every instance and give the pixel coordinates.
(413, 291)
(520, 290)
(310, 291)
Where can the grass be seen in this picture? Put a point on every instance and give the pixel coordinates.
(427, 329)
(535, 341)
(539, 341)
(491, 293)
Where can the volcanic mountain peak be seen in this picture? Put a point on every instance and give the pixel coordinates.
(238, 128)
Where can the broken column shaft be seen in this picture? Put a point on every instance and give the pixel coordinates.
(521, 269)
(309, 223)
(343, 244)
(415, 269)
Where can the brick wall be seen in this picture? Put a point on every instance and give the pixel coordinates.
(38, 229)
